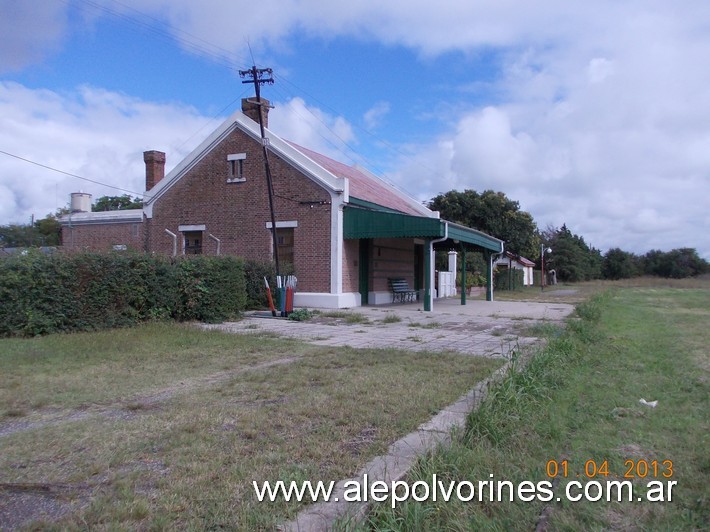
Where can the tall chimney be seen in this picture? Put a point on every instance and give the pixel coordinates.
(154, 168)
(251, 108)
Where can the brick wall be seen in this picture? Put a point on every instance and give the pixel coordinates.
(391, 257)
(237, 213)
(351, 257)
(103, 237)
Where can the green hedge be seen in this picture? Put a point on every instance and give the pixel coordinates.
(508, 279)
(43, 294)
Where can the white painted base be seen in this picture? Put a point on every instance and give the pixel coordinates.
(379, 298)
(322, 300)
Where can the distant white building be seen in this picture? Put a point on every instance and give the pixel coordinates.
(509, 260)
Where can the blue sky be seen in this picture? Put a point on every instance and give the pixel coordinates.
(596, 115)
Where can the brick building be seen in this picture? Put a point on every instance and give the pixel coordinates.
(344, 230)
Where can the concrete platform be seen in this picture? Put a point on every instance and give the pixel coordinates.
(479, 328)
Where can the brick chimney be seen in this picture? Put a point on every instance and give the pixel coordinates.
(251, 109)
(154, 168)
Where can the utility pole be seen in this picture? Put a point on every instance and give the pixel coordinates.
(257, 76)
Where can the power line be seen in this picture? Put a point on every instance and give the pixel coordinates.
(230, 59)
(191, 41)
(349, 156)
(155, 26)
(70, 174)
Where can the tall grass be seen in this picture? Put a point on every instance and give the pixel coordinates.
(578, 398)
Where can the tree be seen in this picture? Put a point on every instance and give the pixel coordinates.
(493, 213)
(619, 264)
(45, 232)
(677, 263)
(117, 203)
(571, 257)
(15, 236)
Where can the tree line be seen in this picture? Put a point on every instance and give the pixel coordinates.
(572, 258)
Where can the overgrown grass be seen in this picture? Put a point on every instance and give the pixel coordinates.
(347, 317)
(185, 458)
(391, 318)
(430, 325)
(578, 400)
(76, 370)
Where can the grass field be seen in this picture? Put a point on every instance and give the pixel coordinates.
(578, 401)
(164, 426)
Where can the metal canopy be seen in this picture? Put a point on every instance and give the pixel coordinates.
(369, 223)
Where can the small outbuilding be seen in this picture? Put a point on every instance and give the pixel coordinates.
(517, 262)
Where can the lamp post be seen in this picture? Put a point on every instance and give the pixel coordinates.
(543, 249)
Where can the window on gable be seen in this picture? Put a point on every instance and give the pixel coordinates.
(235, 168)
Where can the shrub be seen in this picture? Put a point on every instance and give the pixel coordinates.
(254, 273)
(508, 279)
(86, 291)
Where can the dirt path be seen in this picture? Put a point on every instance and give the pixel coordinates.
(128, 408)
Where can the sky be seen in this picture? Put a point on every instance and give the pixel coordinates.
(591, 114)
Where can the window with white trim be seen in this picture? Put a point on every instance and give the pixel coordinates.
(235, 169)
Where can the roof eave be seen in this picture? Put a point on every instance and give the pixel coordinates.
(335, 185)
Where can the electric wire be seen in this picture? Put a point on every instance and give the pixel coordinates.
(155, 26)
(207, 48)
(231, 61)
(139, 194)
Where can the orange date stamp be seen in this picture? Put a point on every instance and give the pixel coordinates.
(632, 469)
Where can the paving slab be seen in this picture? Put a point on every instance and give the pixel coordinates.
(480, 328)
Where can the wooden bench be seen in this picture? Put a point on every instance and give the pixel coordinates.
(401, 291)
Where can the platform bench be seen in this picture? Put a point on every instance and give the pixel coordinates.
(401, 291)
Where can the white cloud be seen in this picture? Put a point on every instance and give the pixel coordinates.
(92, 133)
(601, 118)
(312, 128)
(29, 32)
(374, 116)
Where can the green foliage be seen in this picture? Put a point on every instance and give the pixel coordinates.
(117, 203)
(44, 232)
(14, 235)
(677, 263)
(619, 264)
(43, 294)
(473, 278)
(254, 273)
(571, 257)
(508, 279)
(212, 288)
(301, 314)
(493, 213)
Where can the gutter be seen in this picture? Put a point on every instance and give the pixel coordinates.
(429, 304)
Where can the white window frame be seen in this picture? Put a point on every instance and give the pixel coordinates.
(235, 172)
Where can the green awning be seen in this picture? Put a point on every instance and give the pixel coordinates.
(369, 223)
(472, 236)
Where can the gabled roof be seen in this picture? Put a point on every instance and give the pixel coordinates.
(518, 258)
(334, 184)
(366, 186)
(332, 175)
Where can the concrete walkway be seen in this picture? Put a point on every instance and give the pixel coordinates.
(480, 328)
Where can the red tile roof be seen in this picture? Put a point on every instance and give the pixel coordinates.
(522, 260)
(364, 186)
